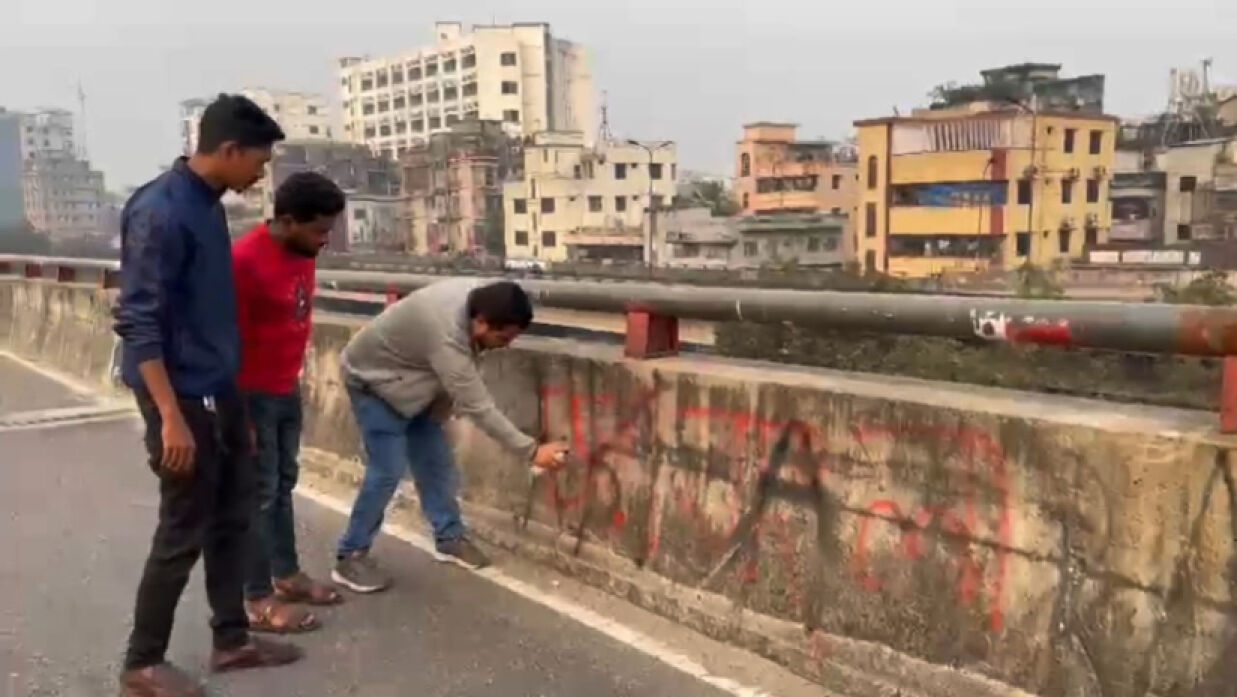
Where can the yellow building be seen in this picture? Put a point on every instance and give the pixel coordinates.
(981, 188)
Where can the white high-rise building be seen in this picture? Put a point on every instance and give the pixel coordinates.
(63, 197)
(301, 115)
(519, 74)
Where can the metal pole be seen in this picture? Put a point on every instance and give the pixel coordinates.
(1138, 327)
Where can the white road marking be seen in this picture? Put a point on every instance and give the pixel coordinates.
(619, 632)
(69, 416)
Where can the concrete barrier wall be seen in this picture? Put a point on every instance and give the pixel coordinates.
(1062, 546)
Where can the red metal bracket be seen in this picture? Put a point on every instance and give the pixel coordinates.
(33, 270)
(5, 268)
(650, 334)
(392, 295)
(111, 278)
(66, 274)
(1228, 396)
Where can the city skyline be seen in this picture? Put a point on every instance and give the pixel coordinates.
(688, 74)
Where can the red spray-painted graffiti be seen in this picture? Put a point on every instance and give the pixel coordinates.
(962, 529)
(796, 469)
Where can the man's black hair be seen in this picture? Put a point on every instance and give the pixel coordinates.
(501, 304)
(307, 195)
(235, 118)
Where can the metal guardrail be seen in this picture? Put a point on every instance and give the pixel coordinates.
(653, 310)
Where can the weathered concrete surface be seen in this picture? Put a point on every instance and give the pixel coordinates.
(1064, 546)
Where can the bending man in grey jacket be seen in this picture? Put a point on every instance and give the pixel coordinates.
(404, 373)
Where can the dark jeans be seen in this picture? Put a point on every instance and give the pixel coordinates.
(394, 445)
(276, 420)
(204, 514)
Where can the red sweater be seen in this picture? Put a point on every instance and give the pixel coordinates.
(275, 294)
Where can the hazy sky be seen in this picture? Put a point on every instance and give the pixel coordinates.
(689, 71)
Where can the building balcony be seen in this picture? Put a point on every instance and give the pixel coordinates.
(929, 220)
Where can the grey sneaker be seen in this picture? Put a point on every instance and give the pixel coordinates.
(463, 552)
(360, 574)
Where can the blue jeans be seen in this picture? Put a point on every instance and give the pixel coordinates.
(393, 444)
(276, 420)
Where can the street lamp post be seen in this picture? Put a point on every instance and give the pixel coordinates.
(651, 233)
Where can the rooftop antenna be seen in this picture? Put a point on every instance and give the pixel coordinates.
(81, 103)
(603, 132)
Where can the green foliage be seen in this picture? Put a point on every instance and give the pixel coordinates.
(1212, 288)
(710, 194)
(952, 94)
(1032, 281)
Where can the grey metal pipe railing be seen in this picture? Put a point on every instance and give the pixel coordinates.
(1140, 327)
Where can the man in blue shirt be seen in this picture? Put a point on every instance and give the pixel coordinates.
(177, 318)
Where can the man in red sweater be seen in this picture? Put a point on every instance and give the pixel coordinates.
(274, 269)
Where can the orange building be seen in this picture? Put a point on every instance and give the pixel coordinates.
(774, 173)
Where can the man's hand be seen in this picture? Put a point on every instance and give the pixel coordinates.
(178, 445)
(550, 456)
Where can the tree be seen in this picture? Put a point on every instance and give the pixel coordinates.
(1032, 281)
(1212, 288)
(23, 239)
(711, 194)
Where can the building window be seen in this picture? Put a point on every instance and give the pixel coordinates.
(311, 110)
(1188, 184)
(1093, 191)
(511, 116)
(469, 61)
(745, 165)
(657, 201)
(1068, 145)
(1024, 244)
(511, 87)
(746, 200)
(450, 93)
(383, 106)
(358, 214)
(416, 99)
(1067, 190)
(449, 66)
(384, 129)
(367, 109)
(435, 122)
(367, 83)
(1063, 240)
(1183, 232)
(431, 69)
(576, 171)
(1097, 142)
(313, 130)
(399, 103)
(418, 125)
(549, 239)
(397, 76)
(655, 170)
(813, 244)
(369, 132)
(432, 97)
(620, 170)
(547, 205)
(401, 126)
(470, 90)
(1024, 192)
(872, 171)
(507, 58)
(594, 204)
(620, 203)
(837, 182)
(750, 249)
(520, 205)
(521, 238)
(869, 220)
(835, 211)
(414, 73)
(453, 119)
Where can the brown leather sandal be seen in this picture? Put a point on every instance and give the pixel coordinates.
(258, 653)
(303, 589)
(272, 616)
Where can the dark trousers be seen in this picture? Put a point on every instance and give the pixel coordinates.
(276, 421)
(204, 514)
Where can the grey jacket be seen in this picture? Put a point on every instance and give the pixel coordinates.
(420, 350)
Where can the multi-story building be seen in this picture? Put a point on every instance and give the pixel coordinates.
(374, 220)
(454, 188)
(810, 240)
(981, 187)
(582, 203)
(775, 173)
(62, 196)
(693, 238)
(518, 74)
(12, 197)
(301, 115)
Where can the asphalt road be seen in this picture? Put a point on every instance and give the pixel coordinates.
(77, 507)
(24, 390)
